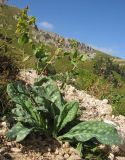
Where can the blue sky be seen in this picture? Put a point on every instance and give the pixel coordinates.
(100, 23)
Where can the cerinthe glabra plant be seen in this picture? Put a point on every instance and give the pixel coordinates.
(41, 108)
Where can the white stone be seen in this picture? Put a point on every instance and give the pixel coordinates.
(16, 150)
(105, 101)
(105, 110)
(111, 156)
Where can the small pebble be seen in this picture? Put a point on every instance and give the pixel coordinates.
(16, 150)
(66, 156)
(9, 143)
(49, 149)
(4, 124)
(57, 151)
(2, 150)
(67, 144)
(111, 156)
(74, 157)
(58, 157)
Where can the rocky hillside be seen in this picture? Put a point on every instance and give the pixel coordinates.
(98, 85)
(59, 41)
(8, 21)
(87, 78)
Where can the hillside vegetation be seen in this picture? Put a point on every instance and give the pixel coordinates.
(102, 76)
(37, 116)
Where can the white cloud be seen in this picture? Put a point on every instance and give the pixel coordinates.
(103, 49)
(46, 25)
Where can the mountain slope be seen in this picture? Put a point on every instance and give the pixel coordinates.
(8, 39)
(90, 78)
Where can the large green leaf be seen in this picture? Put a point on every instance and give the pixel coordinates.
(67, 114)
(23, 96)
(18, 132)
(48, 88)
(35, 114)
(103, 132)
(23, 39)
(39, 52)
(21, 115)
(17, 92)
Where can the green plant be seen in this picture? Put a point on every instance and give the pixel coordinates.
(92, 150)
(23, 30)
(40, 107)
(44, 58)
(118, 102)
(74, 59)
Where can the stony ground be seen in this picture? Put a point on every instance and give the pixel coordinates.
(37, 147)
(91, 109)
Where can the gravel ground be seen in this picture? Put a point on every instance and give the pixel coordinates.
(35, 147)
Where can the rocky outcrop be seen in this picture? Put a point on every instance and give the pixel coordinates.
(58, 41)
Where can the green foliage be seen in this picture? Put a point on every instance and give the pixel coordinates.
(23, 30)
(18, 132)
(9, 45)
(75, 57)
(47, 87)
(104, 66)
(86, 79)
(79, 148)
(40, 107)
(71, 110)
(118, 101)
(91, 151)
(23, 39)
(23, 26)
(113, 73)
(85, 131)
(44, 58)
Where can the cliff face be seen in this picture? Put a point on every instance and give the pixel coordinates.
(59, 41)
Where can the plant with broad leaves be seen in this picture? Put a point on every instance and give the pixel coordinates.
(24, 26)
(75, 56)
(44, 58)
(40, 107)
